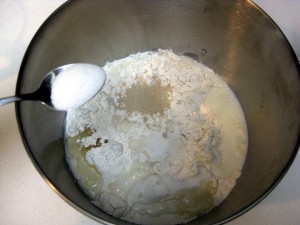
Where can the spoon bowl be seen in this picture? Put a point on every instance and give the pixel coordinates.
(43, 93)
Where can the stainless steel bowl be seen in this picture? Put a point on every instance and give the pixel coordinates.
(234, 38)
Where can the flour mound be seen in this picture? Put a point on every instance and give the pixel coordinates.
(154, 141)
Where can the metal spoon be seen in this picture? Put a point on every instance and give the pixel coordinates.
(43, 93)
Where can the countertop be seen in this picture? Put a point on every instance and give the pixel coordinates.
(25, 198)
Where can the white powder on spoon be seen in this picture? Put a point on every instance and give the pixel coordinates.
(76, 85)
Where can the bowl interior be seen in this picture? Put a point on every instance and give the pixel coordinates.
(234, 38)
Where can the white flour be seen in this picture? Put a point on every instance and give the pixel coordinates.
(76, 85)
(153, 146)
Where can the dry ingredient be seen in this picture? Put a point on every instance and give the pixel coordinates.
(163, 142)
(76, 85)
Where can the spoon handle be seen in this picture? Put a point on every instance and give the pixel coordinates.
(30, 96)
(10, 99)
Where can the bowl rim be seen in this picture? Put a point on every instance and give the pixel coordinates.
(227, 219)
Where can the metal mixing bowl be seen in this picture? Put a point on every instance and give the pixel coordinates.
(234, 38)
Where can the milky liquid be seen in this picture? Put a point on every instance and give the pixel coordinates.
(159, 174)
(234, 130)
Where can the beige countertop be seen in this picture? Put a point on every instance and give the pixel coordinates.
(25, 198)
